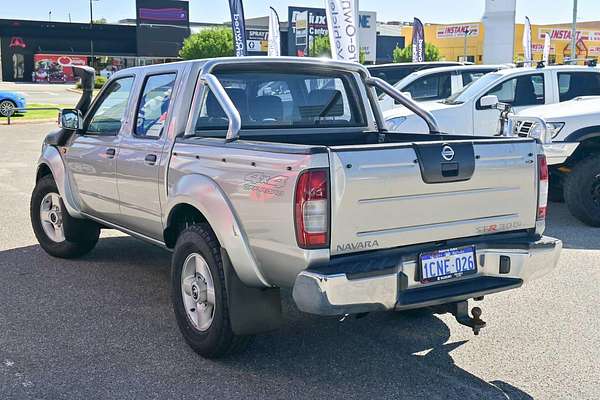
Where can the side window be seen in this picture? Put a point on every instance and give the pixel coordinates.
(109, 113)
(153, 105)
(575, 84)
(521, 91)
(432, 87)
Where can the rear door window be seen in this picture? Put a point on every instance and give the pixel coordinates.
(267, 100)
(576, 84)
(153, 106)
(431, 87)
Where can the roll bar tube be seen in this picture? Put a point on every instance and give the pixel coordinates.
(233, 115)
(406, 102)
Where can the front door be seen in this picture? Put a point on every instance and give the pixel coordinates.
(92, 156)
(520, 92)
(141, 158)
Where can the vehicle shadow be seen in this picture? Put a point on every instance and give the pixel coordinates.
(574, 233)
(107, 319)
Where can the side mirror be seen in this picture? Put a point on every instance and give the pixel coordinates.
(71, 119)
(490, 101)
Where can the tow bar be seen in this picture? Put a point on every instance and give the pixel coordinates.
(460, 310)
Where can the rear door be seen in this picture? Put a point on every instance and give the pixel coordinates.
(386, 196)
(140, 156)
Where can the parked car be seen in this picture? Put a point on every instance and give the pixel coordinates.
(394, 73)
(473, 110)
(10, 101)
(436, 84)
(252, 195)
(574, 154)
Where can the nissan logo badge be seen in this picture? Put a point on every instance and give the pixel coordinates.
(447, 153)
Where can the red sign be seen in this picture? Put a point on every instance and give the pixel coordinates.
(457, 31)
(17, 42)
(54, 68)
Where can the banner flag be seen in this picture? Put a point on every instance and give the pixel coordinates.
(546, 52)
(274, 34)
(527, 43)
(239, 27)
(342, 21)
(418, 41)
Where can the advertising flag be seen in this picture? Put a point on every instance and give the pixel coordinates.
(239, 27)
(546, 52)
(342, 21)
(274, 34)
(418, 41)
(527, 43)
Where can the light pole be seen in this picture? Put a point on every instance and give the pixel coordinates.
(574, 34)
(465, 50)
(92, 32)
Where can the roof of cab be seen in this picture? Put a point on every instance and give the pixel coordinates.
(209, 64)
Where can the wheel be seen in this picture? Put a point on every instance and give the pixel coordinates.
(556, 190)
(582, 191)
(199, 294)
(7, 108)
(59, 234)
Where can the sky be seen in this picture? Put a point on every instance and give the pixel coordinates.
(437, 11)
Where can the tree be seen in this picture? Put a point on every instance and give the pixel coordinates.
(320, 47)
(432, 53)
(208, 43)
(99, 21)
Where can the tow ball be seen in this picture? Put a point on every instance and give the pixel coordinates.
(460, 310)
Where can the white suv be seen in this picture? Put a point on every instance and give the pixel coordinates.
(574, 155)
(472, 111)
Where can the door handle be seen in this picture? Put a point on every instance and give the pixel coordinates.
(150, 159)
(111, 152)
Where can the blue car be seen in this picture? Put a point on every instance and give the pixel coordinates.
(9, 101)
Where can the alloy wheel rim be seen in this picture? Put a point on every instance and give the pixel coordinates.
(6, 108)
(198, 292)
(51, 217)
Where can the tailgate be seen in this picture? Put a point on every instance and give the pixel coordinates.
(385, 196)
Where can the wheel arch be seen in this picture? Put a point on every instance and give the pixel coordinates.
(42, 171)
(200, 199)
(51, 162)
(589, 144)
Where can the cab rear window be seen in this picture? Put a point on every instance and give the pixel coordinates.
(267, 100)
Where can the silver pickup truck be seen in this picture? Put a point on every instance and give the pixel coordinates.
(269, 173)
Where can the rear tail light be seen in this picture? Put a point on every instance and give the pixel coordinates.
(543, 177)
(311, 209)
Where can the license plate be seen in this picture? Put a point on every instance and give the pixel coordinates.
(447, 264)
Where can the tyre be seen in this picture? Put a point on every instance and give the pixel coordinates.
(582, 191)
(7, 108)
(199, 294)
(59, 234)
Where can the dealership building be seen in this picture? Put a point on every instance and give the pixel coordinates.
(451, 39)
(39, 50)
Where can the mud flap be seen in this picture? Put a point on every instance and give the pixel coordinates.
(251, 310)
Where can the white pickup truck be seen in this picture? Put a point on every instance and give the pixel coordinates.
(573, 155)
(473, 111)
(273, 172)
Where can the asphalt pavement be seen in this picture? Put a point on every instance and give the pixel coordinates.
(101, 327)
(44, 93)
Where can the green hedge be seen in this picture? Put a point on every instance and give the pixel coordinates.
(98, 83)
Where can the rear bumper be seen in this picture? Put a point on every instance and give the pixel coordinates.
(387, 281)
